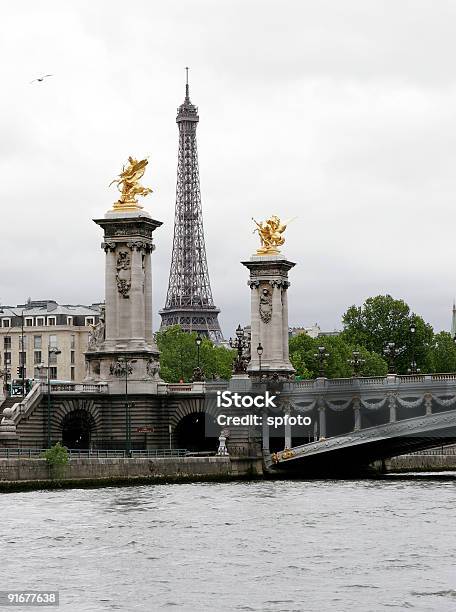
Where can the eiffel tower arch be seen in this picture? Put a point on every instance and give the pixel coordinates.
(189, 301)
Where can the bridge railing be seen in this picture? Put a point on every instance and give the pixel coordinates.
(371, 381)
(37, 453)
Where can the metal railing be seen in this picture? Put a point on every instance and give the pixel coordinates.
(448, 451)
(37, 453)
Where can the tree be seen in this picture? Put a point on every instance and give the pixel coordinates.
(383, 319)
(178, 356)
(303, 349)
(442, 356)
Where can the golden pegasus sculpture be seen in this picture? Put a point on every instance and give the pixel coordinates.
(270, 233)
(128, 184)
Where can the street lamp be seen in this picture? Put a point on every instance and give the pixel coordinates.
(356, 362)
(198, 374)
(322, 355)
(52, 350)
(413, 369)
(391, 352)
(240, 343)
(124, 367)
(260, 352)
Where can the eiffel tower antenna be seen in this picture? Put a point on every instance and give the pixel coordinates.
(189, 301)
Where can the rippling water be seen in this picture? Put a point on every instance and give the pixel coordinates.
(269, 546)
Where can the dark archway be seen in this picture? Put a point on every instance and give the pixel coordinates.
(77, 429)
(190, 433)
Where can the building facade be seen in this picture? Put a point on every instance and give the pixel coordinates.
(27, 331)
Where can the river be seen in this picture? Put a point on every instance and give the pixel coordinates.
(259, 546)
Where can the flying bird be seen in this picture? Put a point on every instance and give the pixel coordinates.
(41, 78)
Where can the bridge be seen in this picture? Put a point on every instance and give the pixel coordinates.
(361, 420)
(352, 422)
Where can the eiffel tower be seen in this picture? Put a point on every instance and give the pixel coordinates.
(189, 301)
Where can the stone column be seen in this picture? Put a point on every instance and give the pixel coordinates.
(110, 292)
(357, 413)
(265, 428)
(322, 418)
(276, 354)
(254, 324)
(287, 429)
(137, 311)
(392, 408)
(286, 352)
(148, 294)
(428, 403)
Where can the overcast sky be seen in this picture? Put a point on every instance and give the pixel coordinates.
(342, 113)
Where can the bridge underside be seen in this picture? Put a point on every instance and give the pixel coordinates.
(356, 452)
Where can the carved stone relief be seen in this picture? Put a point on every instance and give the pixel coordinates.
(123, 276)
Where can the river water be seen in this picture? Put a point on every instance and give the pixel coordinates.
(265, 545)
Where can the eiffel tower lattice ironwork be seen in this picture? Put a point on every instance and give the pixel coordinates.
(189, 301)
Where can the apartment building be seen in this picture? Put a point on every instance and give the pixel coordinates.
(27, 331)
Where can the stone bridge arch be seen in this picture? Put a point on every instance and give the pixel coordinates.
(192, 424)
(77, 423)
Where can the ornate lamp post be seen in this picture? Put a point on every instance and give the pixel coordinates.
(240, 343)
(322, 355)
(356, 362)
(413, 369)
(391, 352)
(124, 367)
(198, 374)
(260, 352)
(52, 350)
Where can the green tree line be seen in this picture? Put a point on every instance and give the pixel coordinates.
(367, 329)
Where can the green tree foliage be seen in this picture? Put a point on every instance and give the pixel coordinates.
(443, 353)
(382, 319)
(56, 455)
(303, 349)
(179, 356)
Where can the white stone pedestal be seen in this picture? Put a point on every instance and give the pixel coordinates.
(269, 315)
(126, 334)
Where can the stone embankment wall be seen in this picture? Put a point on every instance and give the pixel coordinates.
(18, 474)
(421, 463)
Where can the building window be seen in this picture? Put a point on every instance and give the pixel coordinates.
(73, 341)
(22, 358)
(89, 320)
(51, 320)
(6, 322)
(37, 342)
(22, 343)
(52, 358)
(69, 320)
(38, 372)
(28, 322)
(53, 341)
(37, 357)
(53, 373)
(72, 357)
(39, 321)
(7, 359)
(72, 373)
(7, 343)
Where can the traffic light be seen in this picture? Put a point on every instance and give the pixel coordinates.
(19, 371)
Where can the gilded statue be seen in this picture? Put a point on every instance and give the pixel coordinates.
(128, 184)
(270, 233)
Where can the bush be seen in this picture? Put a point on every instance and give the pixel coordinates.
(56, 455)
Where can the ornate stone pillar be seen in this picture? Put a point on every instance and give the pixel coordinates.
(392, 408)
(265, 432)
(357, 413)
(428, 403)
(287, 429)
(322, 417)
(269, 315)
